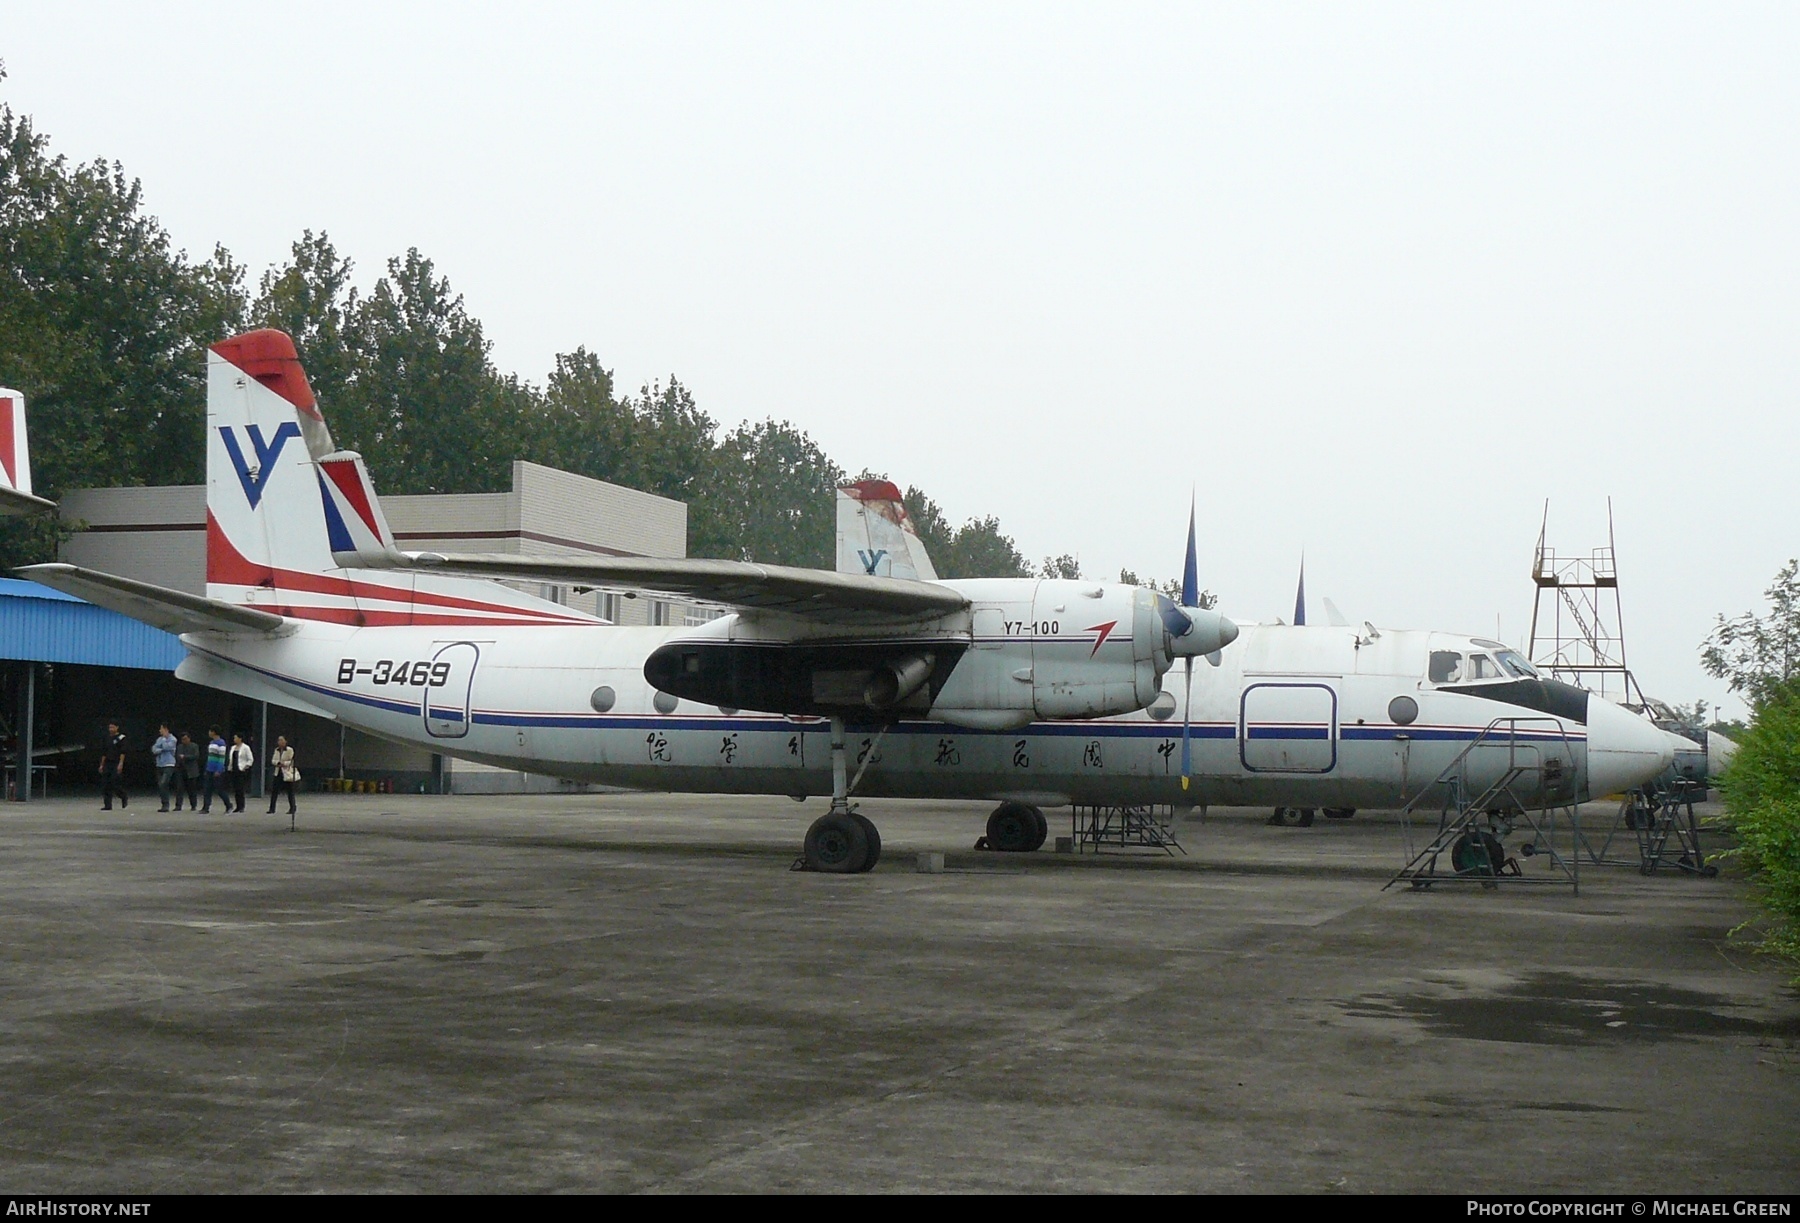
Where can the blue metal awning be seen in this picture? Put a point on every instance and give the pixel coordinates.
(38, 624)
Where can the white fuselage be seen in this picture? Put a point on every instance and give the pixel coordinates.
(1290, 716)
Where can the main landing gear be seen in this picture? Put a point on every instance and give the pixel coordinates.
(1302, 817)
(842, 841)
(1015, 828)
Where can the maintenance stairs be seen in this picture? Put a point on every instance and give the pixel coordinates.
(1532, 791)
(1659, 820)
(1150, 826)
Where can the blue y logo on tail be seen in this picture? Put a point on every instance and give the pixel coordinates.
(870, 559)
(254, 479)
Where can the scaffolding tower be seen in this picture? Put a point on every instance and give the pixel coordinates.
(1582, 639)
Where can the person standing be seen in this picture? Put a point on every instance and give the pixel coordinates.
(162, 752)
(242, 761)
(215, 770)
(187, 772)
(112, 769)
(285, 774)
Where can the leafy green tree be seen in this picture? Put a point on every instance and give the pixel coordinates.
(981, 550)
(312, 299)
(977, 549)
(675, 454)
(103, 322)
(773, 499)
(1762, 791)
(1064, 566)
(1170, 587)
(1756, 654)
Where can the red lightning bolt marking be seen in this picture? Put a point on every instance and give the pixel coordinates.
(1105, 631)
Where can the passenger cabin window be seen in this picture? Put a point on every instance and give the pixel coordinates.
(1446, 667)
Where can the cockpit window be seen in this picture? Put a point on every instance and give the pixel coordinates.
(1483, 667)
(1446, 667)
(1515, 662)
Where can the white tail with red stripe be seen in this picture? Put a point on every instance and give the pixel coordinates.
(15, 453)
(875, 534)
(280, 498)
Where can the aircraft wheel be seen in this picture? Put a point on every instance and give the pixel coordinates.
(874, 835)
(1339, 813)
(1292, 817)
(1013, 829)
(1478, 853)
(837, 844)
(1042, 829)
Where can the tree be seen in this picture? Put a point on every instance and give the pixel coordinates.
(312, 299)
(1755, 655)
(103, 323)
(1170, 587)
(771, 499)
(977, 549)
(425, 403)
(1762, 791)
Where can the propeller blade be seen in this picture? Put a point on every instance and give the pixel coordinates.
(1187, 718)
(1190, 572)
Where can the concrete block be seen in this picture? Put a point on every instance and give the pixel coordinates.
(1065, 845)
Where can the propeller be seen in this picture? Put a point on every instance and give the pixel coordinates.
(1190, 597)
(1192, 630)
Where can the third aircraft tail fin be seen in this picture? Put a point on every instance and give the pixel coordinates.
(875, 535)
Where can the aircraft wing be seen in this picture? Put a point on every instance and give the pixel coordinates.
(813, 593)
(173, 611)
(14, 502)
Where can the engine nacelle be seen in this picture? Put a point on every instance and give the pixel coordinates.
(1026, 651)
(1071, 650)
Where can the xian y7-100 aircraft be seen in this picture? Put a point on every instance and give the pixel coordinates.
(1024, 692)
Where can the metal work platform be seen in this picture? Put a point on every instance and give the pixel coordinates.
(1124, 828)
(1469, 843)
(1657, 821)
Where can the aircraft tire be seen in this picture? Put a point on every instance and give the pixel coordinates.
(874, 835)
(1478, 853)
(1339, 813)
(837, 845)
(1292, 817)
(1011, 828)
(1042, 832)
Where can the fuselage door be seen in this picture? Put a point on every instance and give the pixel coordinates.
(1288, 727)
(445, 706)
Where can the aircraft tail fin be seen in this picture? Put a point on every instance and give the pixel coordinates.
(15, 458)
(875, 535)
(286, 509)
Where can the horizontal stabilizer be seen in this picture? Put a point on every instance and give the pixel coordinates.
(812, 593)
(14, 502)
(173, 611)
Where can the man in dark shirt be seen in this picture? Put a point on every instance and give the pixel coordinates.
(112, 768)
(187, 772)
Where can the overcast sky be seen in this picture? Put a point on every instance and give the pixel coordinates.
(1375, 281)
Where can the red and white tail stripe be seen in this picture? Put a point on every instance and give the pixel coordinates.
(15, 452)
(280, 498)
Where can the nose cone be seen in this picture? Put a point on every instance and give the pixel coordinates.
(1210, 631)
(1719, 751)
(1624, 750)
